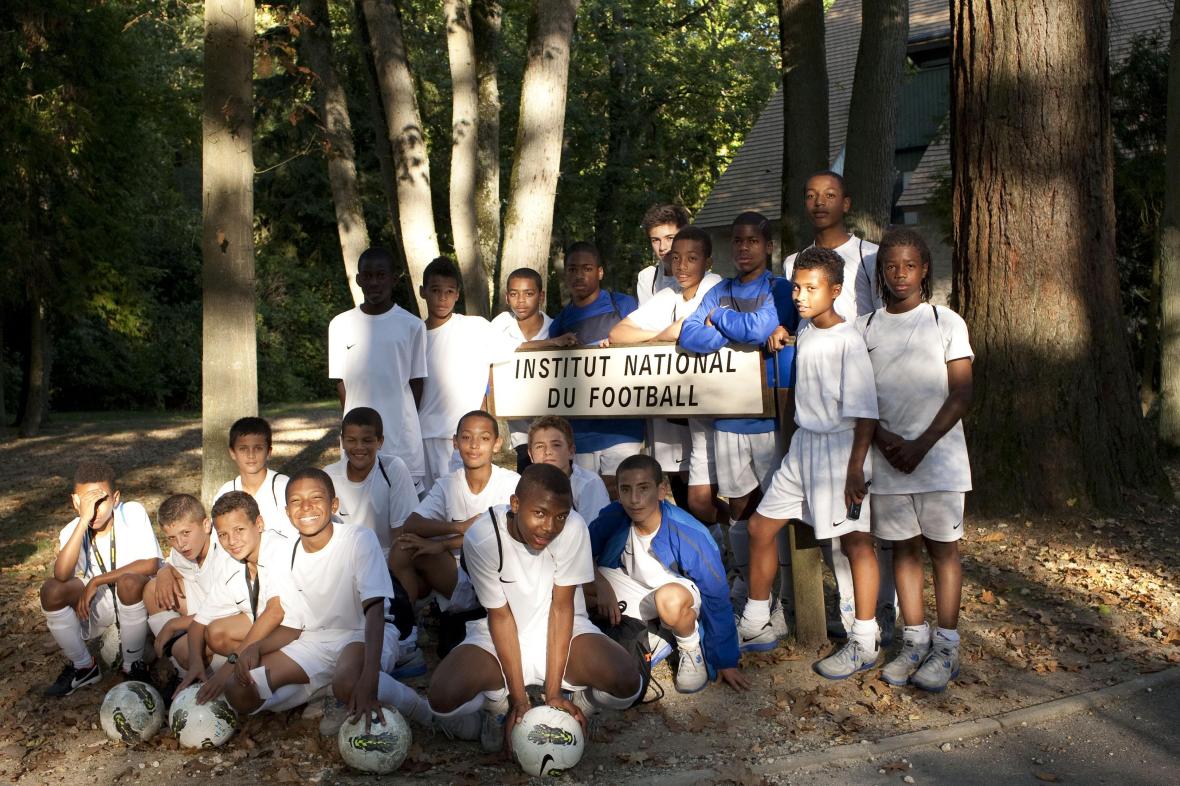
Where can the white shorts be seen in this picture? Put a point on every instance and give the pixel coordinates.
(671, 444)
(810, 485)
(607, 461)
(532, 651)
(102, 614)
(316, 652)
(702, 462)
(638, 600)
(441, 459)
(937, 515)
(745, 461)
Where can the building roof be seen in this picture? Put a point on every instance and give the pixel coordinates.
(936, 161)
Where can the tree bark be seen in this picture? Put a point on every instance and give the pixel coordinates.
(404, 126)
(486, 15)
(1055, 422)
(528, 223)
(872, 115)
(37, 376)
(464, 154)
(229, 379)
(332, 105)
(805, 111)
(1170, 256)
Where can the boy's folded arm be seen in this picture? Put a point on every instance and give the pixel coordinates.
(141, 567)
(427, 528)
(747, 328)
(695, 335)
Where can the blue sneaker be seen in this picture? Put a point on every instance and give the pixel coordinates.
(751, 638)
(899, 670)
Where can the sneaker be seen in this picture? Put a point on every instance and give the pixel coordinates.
(756, 639)
(335, 713)
(467, 727)
(886, 623)
(691, 673)
(491, 732)
(138, 673)
(410, 663)
(846, 661)
(939, 668)
(581, 700)
(899, 670)
(659, 647)
(71, 679)
(778, 619)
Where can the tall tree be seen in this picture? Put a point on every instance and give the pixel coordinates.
(1055, 420)
(872, 114)
(528, 222)
(406, 135)
(1169, 255)
(229, 380)
(332, 105)
(464, 154)
(486, 16)
(805, 110)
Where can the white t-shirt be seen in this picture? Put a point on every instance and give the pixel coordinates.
(199, 578)
(669, 305)
(590, 495)
(271, 499)
(858, 296)
(381, 501)
(459, 354)
(327, 588)
(638, 563)
(451, 499)
(833, 379)
(230, 592)
(133, 540)
(909, 353)
(505, 322)
(648, 284)
(377, 356)
(505, 571)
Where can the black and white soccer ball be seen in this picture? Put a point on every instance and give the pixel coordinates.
(382, 750)
(206, 725)
(547, 741)
(131, 712)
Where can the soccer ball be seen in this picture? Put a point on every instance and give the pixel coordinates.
(131, 712)
(547, 741)
(382, 750)
(201, 725)
(110, 649)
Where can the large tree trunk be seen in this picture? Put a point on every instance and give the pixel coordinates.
(528, 223)
(229, 377)
(37, 370)
(1170, 256)
(872, 115)
(464, 154)
(332, 105)
(1055, 422)
(805, 111)
(486, 15)
(404, 126)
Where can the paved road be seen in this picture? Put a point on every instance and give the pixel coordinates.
(1132, 742)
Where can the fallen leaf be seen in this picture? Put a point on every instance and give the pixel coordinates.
(1047, 777)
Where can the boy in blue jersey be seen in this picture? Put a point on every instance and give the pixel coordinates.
(591, 313)
(745, 309)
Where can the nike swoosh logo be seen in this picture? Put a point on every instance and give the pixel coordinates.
(545, 763)
(348, 347)
(751, 638)
(958, 525)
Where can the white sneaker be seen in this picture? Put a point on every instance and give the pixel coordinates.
(753, 638)
(491, 734)
(939, 668)
(335, 713)
(778, 619)
(581, 700)
(846, 661)
(691, 673)
(899, 670)
(462, 727)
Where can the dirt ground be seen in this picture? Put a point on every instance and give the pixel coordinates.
(1052, 606)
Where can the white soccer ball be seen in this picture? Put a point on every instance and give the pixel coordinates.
(131, 712)
(547, 741)
(206, 725)
(382, 750)
(110, 649)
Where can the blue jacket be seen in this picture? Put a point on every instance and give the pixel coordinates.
(684, 547)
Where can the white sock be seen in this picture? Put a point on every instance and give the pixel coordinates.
(158, 620)
(757, 611)
(949, 635)
(605, 700)
(468, 707)
(133, 631)
(407, 700)
(786, 584)
(739, 542)
(865, 631)
(918, 634)
(689, 642)
(285, 698)
(66, 630)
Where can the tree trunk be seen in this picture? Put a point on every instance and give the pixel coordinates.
(1151, 339)
(1170, 256)
(872, 115)
(464, 154)
(37, 377)
(1055, 421)
(332, 105)
(404, 126)
(229, 378)
(486, 15)
(805, 111)
(528, 223)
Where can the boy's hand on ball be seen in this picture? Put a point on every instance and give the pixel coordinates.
(515, 712)
(565, 705)
(215, 686)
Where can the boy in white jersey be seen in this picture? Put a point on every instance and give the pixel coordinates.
(104, 559)
(377, 352)
(459, 352)
(528, 561)
(250, 446)
(822, 479)
(375, 490)
(551, 441)
(660, 225)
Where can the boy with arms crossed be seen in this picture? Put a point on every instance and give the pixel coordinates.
(551, 441)
(105, 557)
(660, 225)
(528, 561)
(250, 447)
(657, 563)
